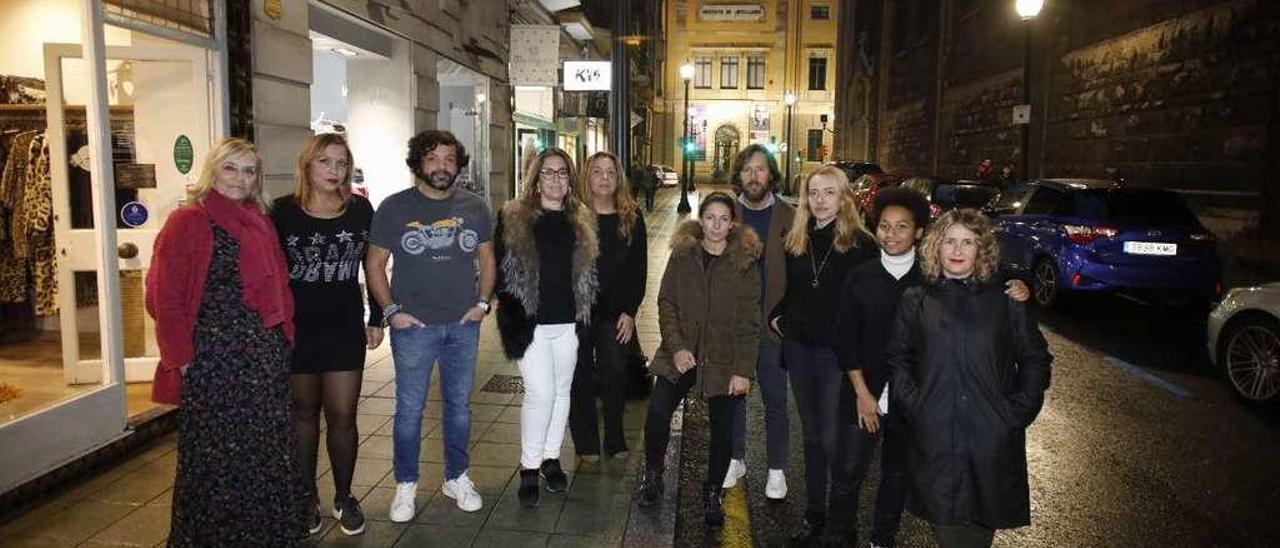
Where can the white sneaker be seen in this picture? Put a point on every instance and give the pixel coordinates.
(776, 489)
(403, 507)
(463, 490)
(737, 469)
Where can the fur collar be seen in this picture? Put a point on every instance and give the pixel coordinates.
(520, 265)
(744, 246)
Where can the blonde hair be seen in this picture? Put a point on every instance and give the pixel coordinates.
(622, 198)
(849, 232)
(313, 149)
(226, 148)
(529, 197)
(985, 265)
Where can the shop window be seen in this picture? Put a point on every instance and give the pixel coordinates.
(817, 73)
(820, 12)
(813, 152)
(755, 72)
(184, 15)
(729, 73)
(702, 77)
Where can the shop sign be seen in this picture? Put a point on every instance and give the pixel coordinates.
(274, 9)
(134, 214)
(587, 75)
(731, 12)
(184, 156)
(132, 176)
(535, 54)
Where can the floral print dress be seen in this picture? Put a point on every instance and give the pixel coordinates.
(237, 484)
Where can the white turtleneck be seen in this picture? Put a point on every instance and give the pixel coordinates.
(900, 265)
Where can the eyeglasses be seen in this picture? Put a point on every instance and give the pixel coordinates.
(562, 173)
(332, 164)
(246, 170)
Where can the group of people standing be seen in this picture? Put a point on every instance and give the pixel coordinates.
(262, 327)
(925, 350)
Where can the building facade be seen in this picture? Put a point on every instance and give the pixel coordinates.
(747, 56)
(1178, 95)
(107, 110)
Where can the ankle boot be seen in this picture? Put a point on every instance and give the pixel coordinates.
(528, 492)
(713, 495)
(651, 487)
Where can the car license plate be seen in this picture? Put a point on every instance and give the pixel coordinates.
(1150, 248)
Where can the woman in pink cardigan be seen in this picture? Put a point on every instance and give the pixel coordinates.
(218, 289)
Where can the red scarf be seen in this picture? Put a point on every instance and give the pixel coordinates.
(263, 286)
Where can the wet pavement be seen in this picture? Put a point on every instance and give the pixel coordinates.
(1140, 443)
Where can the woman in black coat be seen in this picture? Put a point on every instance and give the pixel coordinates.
(969, 369)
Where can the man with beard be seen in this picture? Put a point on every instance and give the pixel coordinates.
(440, 236)
(756, 174)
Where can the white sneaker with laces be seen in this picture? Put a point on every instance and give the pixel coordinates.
(737, 469)
(776, 489)
(463, 491)
(403, 507)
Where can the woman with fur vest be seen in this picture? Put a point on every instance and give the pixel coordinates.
(708, 313)
(546, 247)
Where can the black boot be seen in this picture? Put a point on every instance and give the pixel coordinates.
(713, 495)
(557, 482)
(651, 488)
(811, 529)
(528, 492)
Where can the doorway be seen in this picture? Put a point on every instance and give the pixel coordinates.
(727, 141)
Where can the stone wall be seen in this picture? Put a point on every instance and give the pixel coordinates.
(1167, 94)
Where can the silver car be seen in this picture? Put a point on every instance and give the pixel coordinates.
(1244, 339)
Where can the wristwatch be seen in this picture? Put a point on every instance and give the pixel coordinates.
(483, 305)
(391, 310)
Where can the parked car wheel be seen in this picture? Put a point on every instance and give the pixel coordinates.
(1250, 356)
(1044, 283)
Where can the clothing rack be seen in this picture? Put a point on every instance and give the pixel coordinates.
(35, 116)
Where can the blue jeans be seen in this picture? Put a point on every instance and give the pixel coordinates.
(772, 379)
(415, 350)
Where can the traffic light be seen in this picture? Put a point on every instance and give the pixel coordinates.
(689, 146)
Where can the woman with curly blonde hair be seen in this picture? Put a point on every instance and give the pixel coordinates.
(826, 242)
(969, 369)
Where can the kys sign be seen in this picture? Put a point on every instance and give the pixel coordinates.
(731, 12)
(587, 75)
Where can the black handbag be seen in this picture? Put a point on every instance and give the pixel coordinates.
(639, 380)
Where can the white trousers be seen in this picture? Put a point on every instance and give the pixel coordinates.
(547, 368)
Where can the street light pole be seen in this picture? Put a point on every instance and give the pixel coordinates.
(790, 100)
(1028, 10)
(686, 73)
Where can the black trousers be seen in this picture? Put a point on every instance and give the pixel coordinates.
(657, 426)
(892, 494)
(836, 451)
(601, 372)
(963, 535)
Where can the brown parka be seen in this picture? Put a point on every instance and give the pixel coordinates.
(715, 313)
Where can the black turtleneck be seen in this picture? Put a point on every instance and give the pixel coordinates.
(553, 234)
(808, 313)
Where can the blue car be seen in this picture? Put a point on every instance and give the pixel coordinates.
(1093, 236)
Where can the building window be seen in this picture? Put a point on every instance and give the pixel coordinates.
(820, 13)
(901, 18)
(813, 151)
(817, 73)
(702, 77)
(755, 73)
(728, 73)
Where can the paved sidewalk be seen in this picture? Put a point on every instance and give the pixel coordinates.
(129, 505)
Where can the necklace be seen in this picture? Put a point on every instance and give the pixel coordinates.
(817, 268)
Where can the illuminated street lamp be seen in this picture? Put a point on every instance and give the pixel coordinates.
(1027, 10)
(686, 73)
(789, 99)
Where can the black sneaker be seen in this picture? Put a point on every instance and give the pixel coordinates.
(557, 482)
(651, 488)
(314, 524)
(347, 511)
(528, 492)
